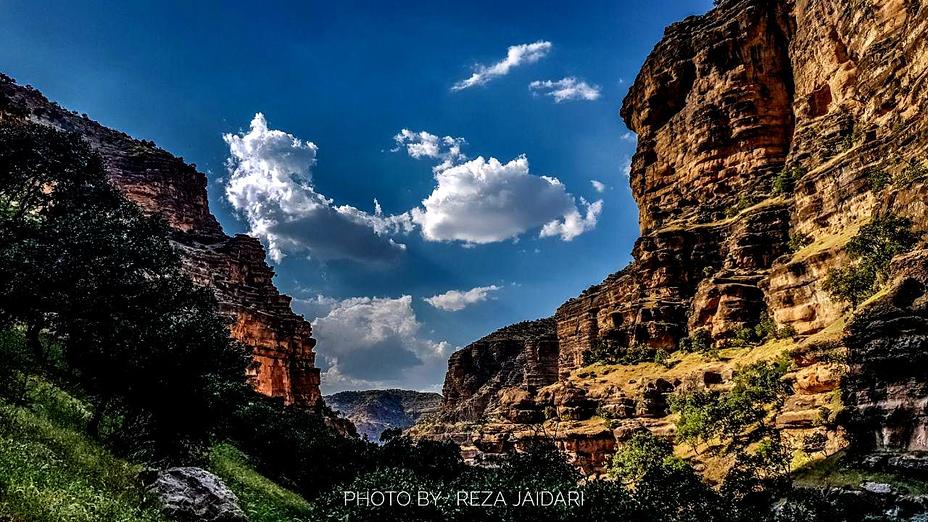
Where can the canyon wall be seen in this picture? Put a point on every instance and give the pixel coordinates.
(234, 267)
(829, 92)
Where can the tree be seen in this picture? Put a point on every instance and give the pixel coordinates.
(664, 486)
(758, 477)
(871, 251)
(149, 347)
(705, 414)
(43, 173)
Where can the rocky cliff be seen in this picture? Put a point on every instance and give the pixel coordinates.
(769, 132)
(374, 411)
(234, 267)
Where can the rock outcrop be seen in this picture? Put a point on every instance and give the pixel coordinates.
(234, 267)
(374, 411)
(189, 494)
(522, 356)
(769, 132)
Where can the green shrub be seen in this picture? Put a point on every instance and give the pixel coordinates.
(662, 358)
(744, 336)
(913, 170)
(698, 341)
(871, 251)
(700, 414)
(665, 486)
(705, 414)
(757, 478)
(767, 329)
(878, 178)
(784, 183)
(609, 351)
(743, 202)
(852, 284)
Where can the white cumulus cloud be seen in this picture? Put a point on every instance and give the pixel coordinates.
(270, 183)
(598, 186)
(573, 223)
(565, 89)
(424, 144)
(376, 342)
(485, 201)
(455, 300)
(516, 55)
(626, 167)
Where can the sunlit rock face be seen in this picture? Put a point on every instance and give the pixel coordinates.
(234, 267)
(831, 90)
(522, 356)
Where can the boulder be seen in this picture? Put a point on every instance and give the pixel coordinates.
(194, 494)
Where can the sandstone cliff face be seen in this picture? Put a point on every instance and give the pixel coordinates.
(234, 267)
(835, 92)
(522, 356)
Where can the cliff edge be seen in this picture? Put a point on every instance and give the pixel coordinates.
(234, 267)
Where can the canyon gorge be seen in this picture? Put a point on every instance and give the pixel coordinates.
(829, 95)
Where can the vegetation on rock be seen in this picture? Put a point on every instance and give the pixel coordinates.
(870, 251)
(705, 414)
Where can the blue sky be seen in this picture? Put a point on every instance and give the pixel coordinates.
(347, 77)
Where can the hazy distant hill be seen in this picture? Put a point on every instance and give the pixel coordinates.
(373, 411)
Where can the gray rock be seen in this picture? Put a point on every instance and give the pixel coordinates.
(194, 494)
(877, 487)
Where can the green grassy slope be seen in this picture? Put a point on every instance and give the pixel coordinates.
(262, 499)
(51, 470)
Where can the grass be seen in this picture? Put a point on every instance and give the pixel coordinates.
(632, 378)
(262, 499)
(827, 242)
(50, 470)
(837, 470)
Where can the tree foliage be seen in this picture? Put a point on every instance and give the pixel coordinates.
(150, 348)
(871, 251)
(706, 414)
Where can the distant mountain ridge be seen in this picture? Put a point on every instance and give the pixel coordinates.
(373, 411)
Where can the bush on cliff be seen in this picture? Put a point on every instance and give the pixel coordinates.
(666, 486)
(610, 351)
(706, 414)
(784, 183)
(871, 251)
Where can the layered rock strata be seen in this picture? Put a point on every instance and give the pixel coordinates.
(769, 132)
(234, 267)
